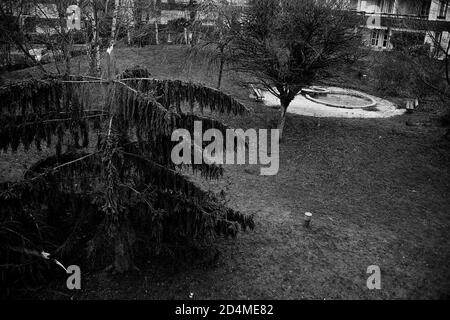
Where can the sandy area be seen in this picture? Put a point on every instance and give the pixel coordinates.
(302, 106)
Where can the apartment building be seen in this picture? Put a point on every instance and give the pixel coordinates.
(163, 11)
(440, 11)
(429, 20)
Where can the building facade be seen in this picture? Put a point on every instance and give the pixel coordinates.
(429, 20)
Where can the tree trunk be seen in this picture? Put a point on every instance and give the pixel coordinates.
(114, 21)
(282, 121)
(119, 234)
(67, 55)
(186, 40)
(447, 52)
(219, 81)
(156, 33)
(130, 19)
(94, 53)
(106, 6)
(67, 38)
(123, 257)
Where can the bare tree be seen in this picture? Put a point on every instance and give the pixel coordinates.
(286, 45)
(215, 42)
(423, 48)
(423, 53)
(12, 14)
(51, 19)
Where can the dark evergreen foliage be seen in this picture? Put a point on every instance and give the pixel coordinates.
(107, 203)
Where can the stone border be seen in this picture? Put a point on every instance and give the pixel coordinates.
(354, 93)
(315, 90)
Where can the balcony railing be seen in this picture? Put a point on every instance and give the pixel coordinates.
(404, 22)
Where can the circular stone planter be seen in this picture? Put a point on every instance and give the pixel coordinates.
(303, 106)
(345, 99)
(315, 91)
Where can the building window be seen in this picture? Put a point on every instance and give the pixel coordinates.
(374, 38)
(437, 38)
(443, 6)
(385, 38)
(437, 44)
(379, 38)
(425, 8)
(385, 35)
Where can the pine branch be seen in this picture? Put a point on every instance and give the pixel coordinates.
(166, 179)
(189, 93)
(160, 151)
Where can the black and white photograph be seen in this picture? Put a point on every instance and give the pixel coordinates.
(224, 155)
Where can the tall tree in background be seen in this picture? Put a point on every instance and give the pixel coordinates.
(418, 66)
(54, 34)
(287, 45)
(115, 18)
(102, 21)
(215, 42)
(422, 56)
(92, 17)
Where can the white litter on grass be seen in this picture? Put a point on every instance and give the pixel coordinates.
(37, 53)
(110, 49)
(302, 106)
(46, 256)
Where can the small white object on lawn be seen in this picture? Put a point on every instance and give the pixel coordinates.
(308, 216)
(110, 49)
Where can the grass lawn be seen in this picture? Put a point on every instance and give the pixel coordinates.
(379, 191)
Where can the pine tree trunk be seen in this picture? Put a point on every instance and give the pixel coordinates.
(119, 233)
(123, 248)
